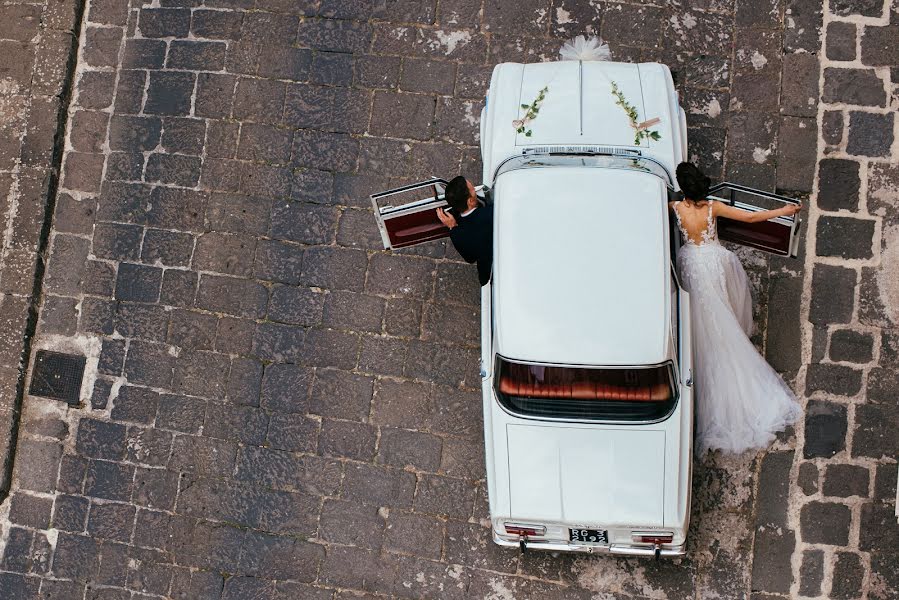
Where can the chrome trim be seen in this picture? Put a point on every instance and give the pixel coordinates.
(626, 154)
(620, 549)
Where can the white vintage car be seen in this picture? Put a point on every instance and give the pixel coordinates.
(586, 357)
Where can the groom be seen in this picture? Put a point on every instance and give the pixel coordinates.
(471, 231)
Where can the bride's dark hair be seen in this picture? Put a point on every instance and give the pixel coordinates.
(693, 182)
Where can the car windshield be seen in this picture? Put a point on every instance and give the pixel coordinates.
(609, 394)
(586, 156)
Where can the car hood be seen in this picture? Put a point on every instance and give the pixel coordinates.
(586, 477)
(579, 107)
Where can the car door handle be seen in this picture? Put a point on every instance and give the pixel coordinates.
(689, 381)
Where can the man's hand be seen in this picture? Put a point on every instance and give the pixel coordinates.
(448, 220)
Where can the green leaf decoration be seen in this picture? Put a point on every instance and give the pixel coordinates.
(531, 112)
(632, 115)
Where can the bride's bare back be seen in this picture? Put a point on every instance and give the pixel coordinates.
(695, 219)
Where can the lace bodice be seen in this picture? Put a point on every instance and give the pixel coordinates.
(709, 235)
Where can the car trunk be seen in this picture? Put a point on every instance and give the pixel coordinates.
(579, 108)
(586, 477)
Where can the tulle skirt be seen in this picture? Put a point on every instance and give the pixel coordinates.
(741, 402)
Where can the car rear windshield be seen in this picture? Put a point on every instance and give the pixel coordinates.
(616, 394)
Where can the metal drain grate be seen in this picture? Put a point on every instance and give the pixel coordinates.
(58, 376)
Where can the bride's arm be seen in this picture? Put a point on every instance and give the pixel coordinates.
(719, 209)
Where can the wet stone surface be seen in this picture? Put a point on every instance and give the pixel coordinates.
(276, 408)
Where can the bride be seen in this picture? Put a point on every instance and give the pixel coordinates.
(742, 401)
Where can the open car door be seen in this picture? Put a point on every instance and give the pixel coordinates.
(407, 215)
(779, 236)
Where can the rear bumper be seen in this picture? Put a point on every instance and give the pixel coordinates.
(620, 549)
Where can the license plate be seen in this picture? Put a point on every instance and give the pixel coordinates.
(593, 536)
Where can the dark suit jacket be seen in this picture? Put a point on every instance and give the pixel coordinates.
(473, 239)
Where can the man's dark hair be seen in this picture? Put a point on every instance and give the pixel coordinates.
(693, 182)
(457, 195)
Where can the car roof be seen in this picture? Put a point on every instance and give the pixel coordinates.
(582, 270)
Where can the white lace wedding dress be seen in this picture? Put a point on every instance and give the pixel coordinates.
(741, 401)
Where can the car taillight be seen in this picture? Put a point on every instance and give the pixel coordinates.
(652, 538)
(525, 530)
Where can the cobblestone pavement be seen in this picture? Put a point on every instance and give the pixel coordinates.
(274, 408)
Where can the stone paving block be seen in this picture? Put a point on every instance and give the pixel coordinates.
(352, 523)
(234, 336)
(144, 53)
(771, 507)
(304, 223)
(839, 184)
(851, 346)
(403, 448)
(404, 115)
(848, 573)
(811, 573)
(870, 134)
(846, 480)
(70, 513)
(330, 68)
(293, 432)
(30, 511)
(109, 480)
(134, 404)
(76, 557)
(884, 483)
(285, 388)
(825, 523)
(403, 404)
(840, 285)
(346, 439)
(134, 133)
(878, 46)
(16, 554)
(273, 557)
(357, 229)
(771, 570)
(800, 85)
(378, 71)
(853, 86)
(833, 379)
(244, 424)
(164, 22)
(348, 310)
(832, 127)
(216, 24)
(236, 297)
(111, 521)
(874, 437)
(341, 395)
(420, 578)
(841, 41)
(414, 533)
(244, 381)
(206, 545)
(796, 152)
(72, 470)
(259, 100)
(357, 568)
(825, 429)
(298, 306)
(846, 238)
(148, 446)
(383, 355)
(867, 8)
